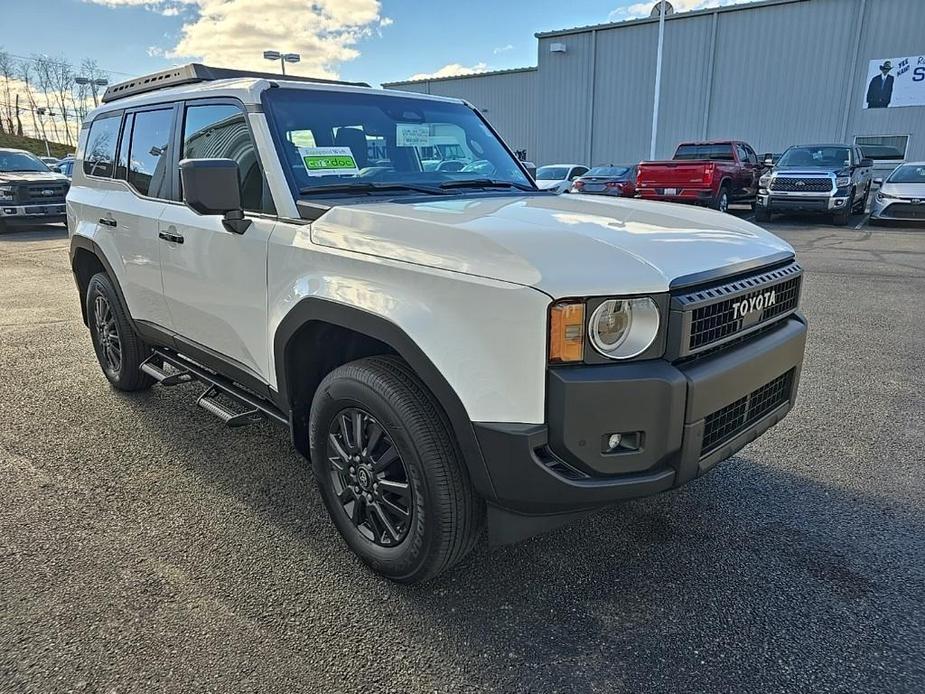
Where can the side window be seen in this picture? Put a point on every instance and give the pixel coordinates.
(579, 171)
(743, 155)
(122, 158)
(752, 157)
(219, 131)
(148, 157)
(101, 146)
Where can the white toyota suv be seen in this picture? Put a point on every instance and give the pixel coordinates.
(450, 349)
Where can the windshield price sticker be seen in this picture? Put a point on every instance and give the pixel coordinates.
(411, 135)
(328, 161)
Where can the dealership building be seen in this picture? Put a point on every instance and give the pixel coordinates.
(772, 73)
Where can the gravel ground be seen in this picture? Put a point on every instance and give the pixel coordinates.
(144, 548)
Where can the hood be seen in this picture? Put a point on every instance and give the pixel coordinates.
(904, 190)
(566, 245)
(32, 177)
(807, 170)
(547, 184)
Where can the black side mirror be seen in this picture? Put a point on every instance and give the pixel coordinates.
(768, 159)
(865, 162)
(56, 169)
(213, 187)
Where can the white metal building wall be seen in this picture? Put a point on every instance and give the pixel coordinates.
(773, 73)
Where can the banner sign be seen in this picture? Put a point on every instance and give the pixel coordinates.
(894, 82)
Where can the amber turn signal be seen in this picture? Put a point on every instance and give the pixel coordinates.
(566, 333)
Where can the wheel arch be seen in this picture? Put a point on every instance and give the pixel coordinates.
(344, 333)
(88, 259)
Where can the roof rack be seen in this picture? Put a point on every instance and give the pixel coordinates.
(197, 72)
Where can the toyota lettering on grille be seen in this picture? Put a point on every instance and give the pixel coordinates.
(751, 306)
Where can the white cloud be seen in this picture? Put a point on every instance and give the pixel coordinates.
(503, 49)
(451, 70)
(234, 33)
(643, 9)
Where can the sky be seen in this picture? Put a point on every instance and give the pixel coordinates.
(373, 41)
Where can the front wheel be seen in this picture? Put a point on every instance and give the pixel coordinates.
(390, 472)
(118, 349)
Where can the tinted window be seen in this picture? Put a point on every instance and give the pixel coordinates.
(20, 161)
(816, 157)
(122, 158)
(711, 152)
(219, 131)
(147, 171)
(101, 146)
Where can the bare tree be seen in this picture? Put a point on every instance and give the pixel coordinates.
(7, 69)
(62, 79)
(25, 76)
(44, 67)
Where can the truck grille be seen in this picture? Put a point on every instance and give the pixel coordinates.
(728, 422)
(789, 184)
(718, 313)
(39, 193)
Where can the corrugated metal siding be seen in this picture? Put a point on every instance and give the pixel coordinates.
(772, 75)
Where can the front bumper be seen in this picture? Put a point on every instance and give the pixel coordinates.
(683, 417)
(53, 213)
(802, 202)
(909, 210)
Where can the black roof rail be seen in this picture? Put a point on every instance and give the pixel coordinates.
(197, 72)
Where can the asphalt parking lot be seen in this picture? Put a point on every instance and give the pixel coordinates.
(144, 548)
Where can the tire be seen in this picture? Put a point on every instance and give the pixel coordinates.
(444, 515)
(762, 214)
(859, 206)
(118, 349)
(721, 201)
(840, 219)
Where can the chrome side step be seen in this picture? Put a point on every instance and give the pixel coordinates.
(169, 369)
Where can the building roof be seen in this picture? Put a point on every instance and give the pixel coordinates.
(648, 20)
(489, 73)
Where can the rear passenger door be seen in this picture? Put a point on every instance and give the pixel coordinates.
(138, 199)
(216, 280)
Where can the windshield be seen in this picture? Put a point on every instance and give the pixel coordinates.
(552, 173)
(816, 157)
(911, 173)
(614, 171)
(711, 152)
(20, 161)
(361, 142)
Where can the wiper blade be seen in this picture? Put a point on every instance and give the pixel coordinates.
(484, 183)
(369, 187)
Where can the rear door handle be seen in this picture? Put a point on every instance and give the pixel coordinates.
(173, 238)
(105, 221)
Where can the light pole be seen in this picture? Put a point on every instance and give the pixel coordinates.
(41, 112)
(94, 83)
(283, 58)
(662, 9)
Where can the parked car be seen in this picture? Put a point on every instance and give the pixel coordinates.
(704, 173)
(619, 181)
(830, 179)
(65, 166)
(448, 349)
(558, 177)
(30, 193)
(901, 195)
(48, 161)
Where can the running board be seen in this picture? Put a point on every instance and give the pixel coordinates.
(252, 408)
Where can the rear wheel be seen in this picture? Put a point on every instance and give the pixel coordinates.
(118, 349)
(390, 472)
(721, 201)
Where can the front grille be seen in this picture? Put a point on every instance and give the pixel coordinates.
(905, 210)
(37, 193)
(790, 184)
(730, 421)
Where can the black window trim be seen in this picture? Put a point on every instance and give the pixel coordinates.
(116, 113)
(180, 123)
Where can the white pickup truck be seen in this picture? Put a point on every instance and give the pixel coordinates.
(450, 349)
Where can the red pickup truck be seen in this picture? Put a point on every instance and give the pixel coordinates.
(703, 173)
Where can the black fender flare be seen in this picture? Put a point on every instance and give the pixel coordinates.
(315, 309)
(79, 242)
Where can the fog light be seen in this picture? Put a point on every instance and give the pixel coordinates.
(613, 441)
(621, 442)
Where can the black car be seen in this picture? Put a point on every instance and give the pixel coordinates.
(619, 181)
(30, 192)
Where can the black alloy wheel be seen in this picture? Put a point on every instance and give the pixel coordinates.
(369, 477)
(107, 333)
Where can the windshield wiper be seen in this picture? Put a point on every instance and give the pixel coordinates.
(484, 183)
(369, 187)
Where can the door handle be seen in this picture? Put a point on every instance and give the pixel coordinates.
(173, 238)
(105, 221)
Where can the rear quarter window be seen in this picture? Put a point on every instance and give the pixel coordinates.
(100, 152)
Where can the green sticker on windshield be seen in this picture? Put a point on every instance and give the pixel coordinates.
(328, 161)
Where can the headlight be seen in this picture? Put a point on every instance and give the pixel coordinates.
(887, 196)
(6, 192)
(764, 181)
(624, 328)
(843, 181)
